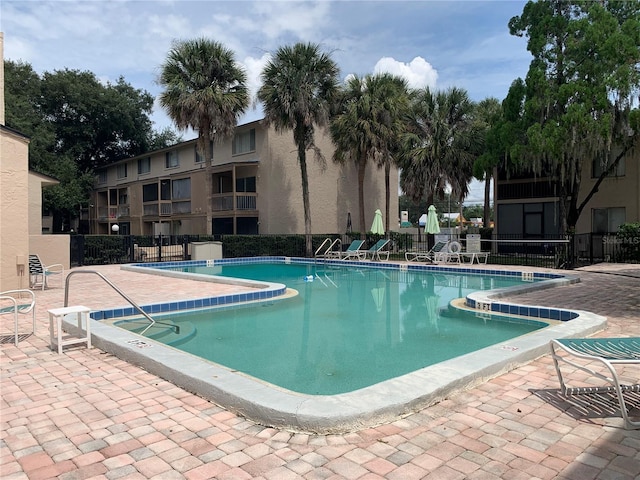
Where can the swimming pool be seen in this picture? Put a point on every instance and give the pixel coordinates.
(345, 328)
(379, 403)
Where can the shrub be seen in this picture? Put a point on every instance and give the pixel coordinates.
(629, 237)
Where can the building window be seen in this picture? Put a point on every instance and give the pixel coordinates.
(165, 189)
(102, 176)
(123, 196)
(171, 159)
(607, 220)
(144, 165)
(598, 168)
(150, 192)
(181, 189)
(247, 184)
(200, 158)
(122, 170)
(244, 142)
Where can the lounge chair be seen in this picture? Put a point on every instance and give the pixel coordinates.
(354, 252)
(607, 352)
(425, 256)
(449, 254)
(38, 272)
(14, 302)
(378, 251)
(473, 255)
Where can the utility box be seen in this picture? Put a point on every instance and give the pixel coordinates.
(206, 250)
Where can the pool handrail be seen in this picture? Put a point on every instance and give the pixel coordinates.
(322, 251)
(152, 322)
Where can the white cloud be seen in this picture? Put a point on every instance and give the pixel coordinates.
(253, 67)
(302, 19)
(418, 73)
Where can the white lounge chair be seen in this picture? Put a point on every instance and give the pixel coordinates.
(474, 254)
(354, 252)
(449, 254)
(607, 352)
(379, 251)
(38, 272)
(14, 302)
(426, 256)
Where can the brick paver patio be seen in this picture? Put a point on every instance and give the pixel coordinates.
(87, 414)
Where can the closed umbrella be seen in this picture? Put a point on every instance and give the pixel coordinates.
(432, 225)
(377, 227)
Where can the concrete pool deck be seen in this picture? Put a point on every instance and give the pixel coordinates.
(88, 414)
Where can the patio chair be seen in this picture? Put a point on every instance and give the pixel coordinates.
(378, 251)
(425, 256)
(38, 272)
(14, 302)
(607, 352)
(474, 255)
(354, 252)
(449, 254)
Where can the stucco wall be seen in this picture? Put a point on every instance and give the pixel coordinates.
(14, 208)
(51, 248)
(333, 190)
(621, 191)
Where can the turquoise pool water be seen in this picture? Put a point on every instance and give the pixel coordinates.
(346, 329)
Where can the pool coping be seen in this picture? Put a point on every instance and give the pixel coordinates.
(377, 404)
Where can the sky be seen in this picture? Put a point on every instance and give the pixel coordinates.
(436, 44)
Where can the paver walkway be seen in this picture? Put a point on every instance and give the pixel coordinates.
(86, 414)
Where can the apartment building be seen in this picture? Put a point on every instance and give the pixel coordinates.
(528, 207)
(256, 189)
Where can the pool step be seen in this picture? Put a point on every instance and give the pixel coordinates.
(163, 333)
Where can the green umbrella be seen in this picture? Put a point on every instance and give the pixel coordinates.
(432, 226)
(377, 227)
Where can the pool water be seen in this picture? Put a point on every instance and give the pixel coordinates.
(347, 328)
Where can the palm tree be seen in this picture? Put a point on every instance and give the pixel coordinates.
(204, 89)
(488, 116)
(440, 146)
(298, 86)
(367, 127)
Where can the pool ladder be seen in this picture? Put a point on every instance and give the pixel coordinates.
(152, 322)
(326, 246)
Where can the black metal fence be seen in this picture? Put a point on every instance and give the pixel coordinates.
(551, 252)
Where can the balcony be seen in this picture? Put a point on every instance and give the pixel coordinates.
(105, 214)
(225, 202)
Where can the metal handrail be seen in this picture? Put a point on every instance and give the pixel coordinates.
(152, 322)
(329, 248)
(321, 246)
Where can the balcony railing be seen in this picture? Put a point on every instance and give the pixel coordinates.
(165, 208)
(150, 209)
(246, 202)
(181, 207)
(225, 202)
(123, 210)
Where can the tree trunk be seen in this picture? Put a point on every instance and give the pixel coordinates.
(302, 159)
(207, 150)
(362, 163)
(387, 195)
(486, 214)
